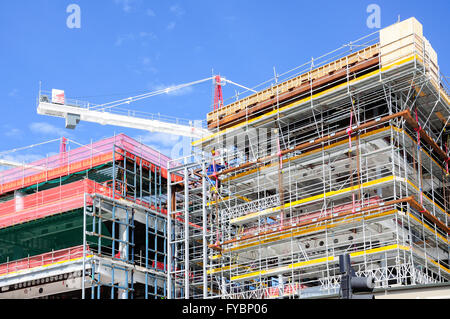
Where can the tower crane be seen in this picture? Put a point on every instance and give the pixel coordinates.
(73, 112)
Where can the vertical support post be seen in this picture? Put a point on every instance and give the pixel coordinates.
(94, 285)
(204, 239)
(165, 242)
(83, 296)
(114, 171)
(146, 256)
(124, 186)
(99, 227)
(186, 232)
(112, 282)
(134, 179)
(123, 251)
(169, 232)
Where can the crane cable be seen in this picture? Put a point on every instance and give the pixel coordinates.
(109, 105)
(26, 147)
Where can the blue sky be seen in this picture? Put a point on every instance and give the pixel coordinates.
(125, 47)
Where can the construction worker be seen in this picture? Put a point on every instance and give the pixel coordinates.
(213, 169)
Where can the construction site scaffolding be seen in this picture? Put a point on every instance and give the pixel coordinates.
(94, 215)
(348, 154)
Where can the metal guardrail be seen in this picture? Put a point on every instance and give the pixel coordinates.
(45, 259)
(45, 96)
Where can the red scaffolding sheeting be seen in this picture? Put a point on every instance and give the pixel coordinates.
(80, 159)
(55, 257)
(48, 202)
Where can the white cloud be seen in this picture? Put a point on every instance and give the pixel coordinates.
(170, 89)
(13, 132)
(121, 39)
(177, 10)
(146, 60)
(118, 42)
(171, 25)
(125, 4)
(161, 139)
(43, 128)
(147, 35)
(173, 146)
(13, 93)
(151, 13)
(145, 65)
(161, 142)
(143, 35)
(141, 70)
(163, 150)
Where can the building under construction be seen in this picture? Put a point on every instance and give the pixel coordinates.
(346, 154)
(95, 212)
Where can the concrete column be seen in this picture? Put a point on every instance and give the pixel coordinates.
(123, 236)
(223, 288)
(18, 196)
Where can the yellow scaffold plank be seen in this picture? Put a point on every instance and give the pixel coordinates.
(308, 229)
(316, 261)
(362, 136)
(245, 199)
(284, 268)
(429, 228)
(439, 265)
(273, 210)
(216, 270)
(47, 265)
(431, 201)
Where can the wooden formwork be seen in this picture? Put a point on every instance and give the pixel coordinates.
(313, 79)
